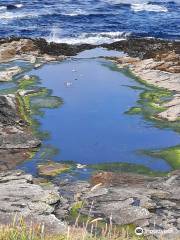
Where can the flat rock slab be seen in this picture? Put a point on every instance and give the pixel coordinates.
(9, 73)
(52, 169)
(21, 198)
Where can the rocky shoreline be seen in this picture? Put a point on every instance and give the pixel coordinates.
(163, 71)
(123, 199)
(152, 203)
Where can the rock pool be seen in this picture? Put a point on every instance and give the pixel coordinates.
(91, 126)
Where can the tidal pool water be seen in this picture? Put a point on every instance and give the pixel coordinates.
(91, 126)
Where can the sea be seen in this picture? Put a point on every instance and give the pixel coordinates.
(90, 21)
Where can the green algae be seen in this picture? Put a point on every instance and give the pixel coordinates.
(171, 155)
(27, 83)
(134, 110)
(53, 169)
(150, 104)
(48, 152)
(48, 102)
(126, 167)
(32, 103)
(151, 100)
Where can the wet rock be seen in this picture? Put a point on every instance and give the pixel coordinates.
(53, 168)
(144, 48)
(14, 131)
(28, 200)
(9, 73)
(10, 158)
(110, 178)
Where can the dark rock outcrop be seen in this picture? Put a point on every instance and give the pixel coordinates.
(13, 128)
(144, 48)
(16, 138)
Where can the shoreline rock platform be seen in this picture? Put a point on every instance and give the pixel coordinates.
(20, 197)
(151, 203)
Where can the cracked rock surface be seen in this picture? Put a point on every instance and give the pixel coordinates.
(20, 197)
(153, 204)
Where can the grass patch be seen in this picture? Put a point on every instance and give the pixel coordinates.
(23, 231)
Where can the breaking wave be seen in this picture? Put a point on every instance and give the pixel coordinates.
(88, 38)
(136, 7)
(13, 15)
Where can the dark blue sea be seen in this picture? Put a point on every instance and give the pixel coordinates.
(90, 21)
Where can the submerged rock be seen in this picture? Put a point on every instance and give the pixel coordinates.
(53, 168)
(10, 158)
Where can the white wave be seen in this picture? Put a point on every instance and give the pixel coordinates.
(137, 7)
(12, 15)
(8, 15)
(3, 7)
(77, 12)
(88, 38)
(19, 5)
(114, 2)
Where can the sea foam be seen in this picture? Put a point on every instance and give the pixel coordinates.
(88, 38)
(137, 7)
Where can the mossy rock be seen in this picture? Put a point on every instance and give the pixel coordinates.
(53, 169)
(134, 110)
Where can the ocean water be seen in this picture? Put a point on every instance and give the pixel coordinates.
(90, 21)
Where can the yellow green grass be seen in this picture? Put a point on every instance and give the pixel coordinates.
(23, 231)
